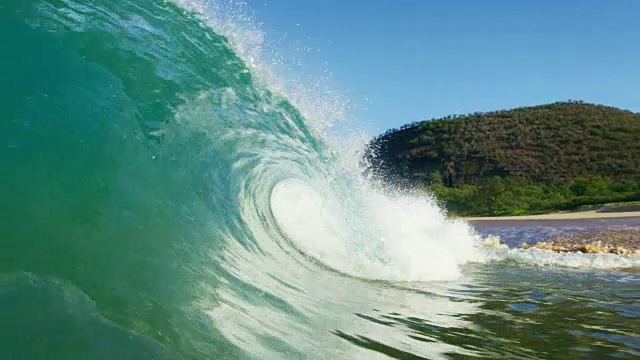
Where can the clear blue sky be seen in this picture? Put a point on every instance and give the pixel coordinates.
(419, 59)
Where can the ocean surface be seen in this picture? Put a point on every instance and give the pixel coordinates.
(169, 192)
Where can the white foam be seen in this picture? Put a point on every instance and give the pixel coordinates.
(538, 257)
(371, 235)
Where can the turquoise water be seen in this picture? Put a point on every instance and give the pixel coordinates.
(168, 196)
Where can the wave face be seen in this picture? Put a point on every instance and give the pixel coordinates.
(170, 197)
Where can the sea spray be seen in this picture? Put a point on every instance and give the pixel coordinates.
(367, 234)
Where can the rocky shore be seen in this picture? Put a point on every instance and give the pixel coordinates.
(621, 241)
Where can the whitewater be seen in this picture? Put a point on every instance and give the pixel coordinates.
(171, 193)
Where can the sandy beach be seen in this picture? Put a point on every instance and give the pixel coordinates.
(607, 213)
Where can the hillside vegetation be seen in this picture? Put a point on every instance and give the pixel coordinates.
(525, 160)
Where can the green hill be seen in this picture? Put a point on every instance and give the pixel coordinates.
(568, 154)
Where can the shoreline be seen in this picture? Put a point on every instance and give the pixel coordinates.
(581, 215)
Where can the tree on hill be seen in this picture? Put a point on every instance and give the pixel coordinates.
(572, 145)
